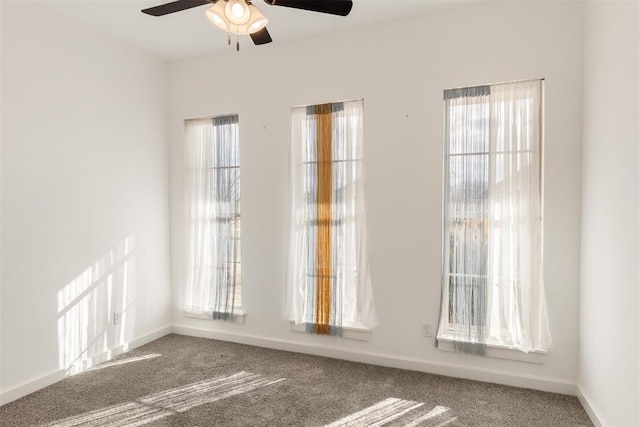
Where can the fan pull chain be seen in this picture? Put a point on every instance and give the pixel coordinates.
(229, 39)
(237, 43)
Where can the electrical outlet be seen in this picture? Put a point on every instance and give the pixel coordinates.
(117, 318)
(427, 330)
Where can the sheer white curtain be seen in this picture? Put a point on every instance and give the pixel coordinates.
(515, 294)
(493, 290)
(343, 217)
(212, 276)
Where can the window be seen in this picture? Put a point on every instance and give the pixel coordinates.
(328, 284)
(212, 282)
(493, 293)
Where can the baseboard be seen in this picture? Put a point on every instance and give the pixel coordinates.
(29, 387)
(590, 409)
(477, 374)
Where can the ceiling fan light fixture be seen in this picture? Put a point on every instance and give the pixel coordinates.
(215, 14)
(242, 17)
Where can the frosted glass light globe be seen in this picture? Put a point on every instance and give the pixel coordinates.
(237, 12)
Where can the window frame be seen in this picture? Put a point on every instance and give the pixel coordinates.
(352, 316)
(237, 314)
(445, 341)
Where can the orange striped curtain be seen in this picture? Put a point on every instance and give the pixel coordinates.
(324, 211)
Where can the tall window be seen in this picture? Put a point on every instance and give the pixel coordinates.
(212, 280)
(328, 282)
(492, 291)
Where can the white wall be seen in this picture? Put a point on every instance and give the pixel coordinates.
(609, 320)
(84, 189)
(400, 70)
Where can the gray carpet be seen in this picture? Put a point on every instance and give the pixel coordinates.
(185, 381)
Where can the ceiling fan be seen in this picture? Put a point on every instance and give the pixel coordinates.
(243, 17)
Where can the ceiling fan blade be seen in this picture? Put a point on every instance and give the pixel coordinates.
(261, 37)
(334, 7)
(175, 6)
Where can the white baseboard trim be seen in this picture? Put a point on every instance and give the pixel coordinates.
(29, 387)
(477, 374)
(589, 407)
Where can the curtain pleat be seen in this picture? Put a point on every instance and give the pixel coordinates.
(328, 279)
(212, 278)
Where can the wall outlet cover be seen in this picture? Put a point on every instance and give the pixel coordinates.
(427, 330)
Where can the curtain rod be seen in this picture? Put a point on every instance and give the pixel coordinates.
(494, 84)
(327, 102)
(217, 116)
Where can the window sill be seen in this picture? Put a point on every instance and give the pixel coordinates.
(238, 317)
(352, 332)
(502, 352)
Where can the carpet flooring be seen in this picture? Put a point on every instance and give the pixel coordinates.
(186, 381)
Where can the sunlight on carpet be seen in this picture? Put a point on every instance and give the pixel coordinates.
(391, 409)
(125, 361)
(160, 405)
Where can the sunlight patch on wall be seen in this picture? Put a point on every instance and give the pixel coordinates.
(391, 411)
(86, 307)
(166, 403)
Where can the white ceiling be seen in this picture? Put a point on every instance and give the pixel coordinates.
(189, 34)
